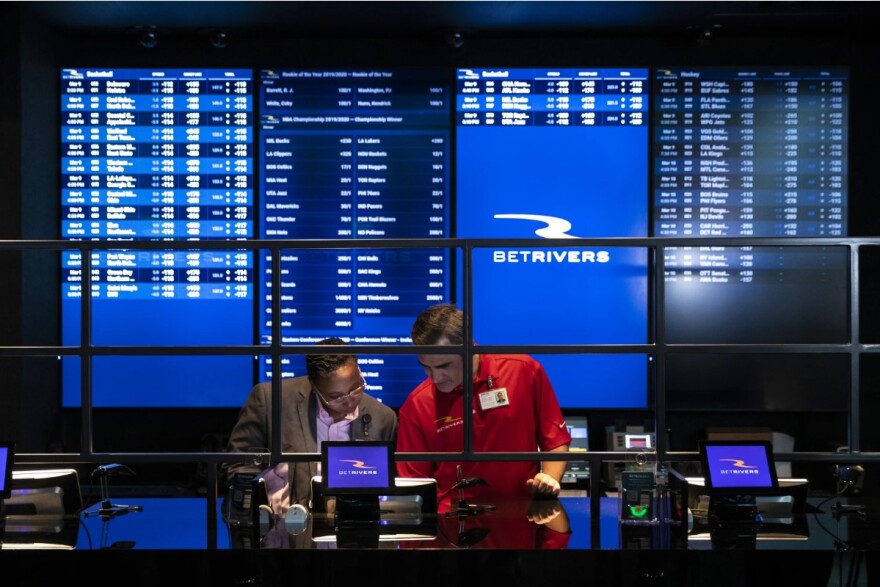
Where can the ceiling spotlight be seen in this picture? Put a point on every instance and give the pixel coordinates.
(148, 38)
(706, 33)
(219, 39)
(455, 40)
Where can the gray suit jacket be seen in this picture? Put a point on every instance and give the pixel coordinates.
(253, 431)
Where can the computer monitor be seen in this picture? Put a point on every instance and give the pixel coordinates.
(423, 530)
(408, 502)
(736, 472)
(738, 467)
(407, 512)
(45, 492)
(357, 473)
(357, 467)
(577, 473)
(7, 459)
(637, 441)
(797, 529)
(39, 533)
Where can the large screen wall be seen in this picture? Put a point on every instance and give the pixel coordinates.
(479, 153)
(558, 153)
(159, 155)
(752, 152)
(355, 154)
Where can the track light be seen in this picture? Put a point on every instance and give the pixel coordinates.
(219, 39)
(148, 37)
(706, 33)
(455, 40)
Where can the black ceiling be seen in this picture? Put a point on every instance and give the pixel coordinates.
(475, 17)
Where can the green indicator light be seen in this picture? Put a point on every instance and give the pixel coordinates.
(638, 511)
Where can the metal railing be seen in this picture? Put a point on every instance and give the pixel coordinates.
(657, 346)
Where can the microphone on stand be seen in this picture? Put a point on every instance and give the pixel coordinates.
(464, 508)
(107, 508)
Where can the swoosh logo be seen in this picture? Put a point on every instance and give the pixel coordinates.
(357, 464)
(554, 227)
(446, 420)
(739, 463)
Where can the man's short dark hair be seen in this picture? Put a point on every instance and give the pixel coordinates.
(319, 366)
(436, 322)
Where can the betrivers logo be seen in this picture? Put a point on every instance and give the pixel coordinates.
(553, 227)
(739, 468)
(447, 422)
(356, 467)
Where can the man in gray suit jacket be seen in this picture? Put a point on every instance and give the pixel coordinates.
(330, 403)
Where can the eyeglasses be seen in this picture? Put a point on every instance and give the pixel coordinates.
(353, 394)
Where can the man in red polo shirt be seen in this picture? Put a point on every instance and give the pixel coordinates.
(514, 410)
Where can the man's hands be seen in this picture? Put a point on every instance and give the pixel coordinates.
(276, 537)
(543, 511)
(543, 485)
(278, 487)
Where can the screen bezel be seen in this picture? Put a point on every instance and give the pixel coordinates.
(331, 446)
(7, 449)
(712, 489)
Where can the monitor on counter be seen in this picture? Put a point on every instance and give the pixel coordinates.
(40, 533)
(51, 493)
(738, 467)
(637, 441)
(406, 512)
(357, 467)
(7, 457)
(356, 473)
(411, 498)
(577, 473)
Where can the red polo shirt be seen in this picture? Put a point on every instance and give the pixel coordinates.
(529, 419)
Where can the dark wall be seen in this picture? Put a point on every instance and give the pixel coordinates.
(10, 219)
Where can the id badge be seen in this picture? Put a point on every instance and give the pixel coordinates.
(494, 398)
